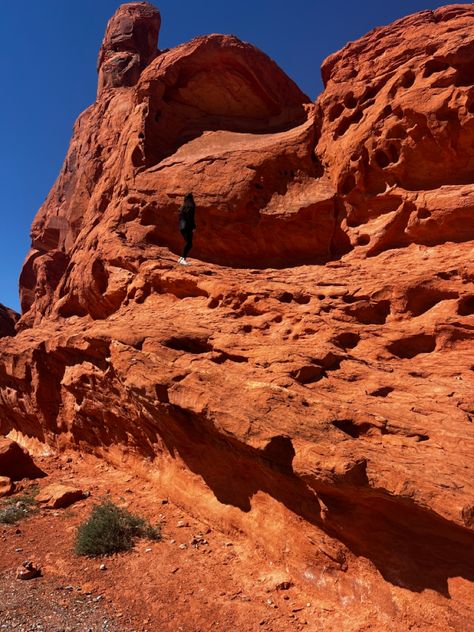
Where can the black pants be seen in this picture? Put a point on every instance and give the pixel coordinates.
(188, 240)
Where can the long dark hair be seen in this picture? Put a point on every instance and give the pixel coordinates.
(188, 205)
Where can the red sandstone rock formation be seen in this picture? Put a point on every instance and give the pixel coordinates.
(325, 403)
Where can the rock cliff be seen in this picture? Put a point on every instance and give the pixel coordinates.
(309, 379)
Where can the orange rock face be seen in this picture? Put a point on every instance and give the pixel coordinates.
(398, 131)
(323, 405)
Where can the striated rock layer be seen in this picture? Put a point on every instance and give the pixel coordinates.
(323, 405)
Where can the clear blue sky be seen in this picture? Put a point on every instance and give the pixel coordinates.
(48, 54)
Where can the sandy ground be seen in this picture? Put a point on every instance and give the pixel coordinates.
(168, 585)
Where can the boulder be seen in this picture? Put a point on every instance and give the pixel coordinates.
(6, 486)
(28, 570)
(57, 496)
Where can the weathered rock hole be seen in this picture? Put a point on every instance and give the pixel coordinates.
(353, 221)
(363, 240)
(347, 122)
(383, 391)
(308, 374)
(408, 79)
(382, 159)
(369, 93)
(394, 152)
(422, 299)
(397, 131)
(449, 274)
(214, 302)
(188, 344)
(350, 101)
(398, 112)
(470, 107)
(370, 313)
(350, 299)
(423, 213)
(407, 348)
(331, 361)
(352, 429)
(347, 340)
(421, 437)
(302, 299)
(387, 111)
(464, 75)
(466, 306)
(348, 184)
(433, 66)
(285, 297)
(336, 111)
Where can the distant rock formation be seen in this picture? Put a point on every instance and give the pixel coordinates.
(324, 405)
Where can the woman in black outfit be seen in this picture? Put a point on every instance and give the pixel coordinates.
(187, 225)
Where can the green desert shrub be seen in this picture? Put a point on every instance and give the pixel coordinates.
(18, 507)
(110, 529)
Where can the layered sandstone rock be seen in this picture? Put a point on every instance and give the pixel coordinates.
(325, 405)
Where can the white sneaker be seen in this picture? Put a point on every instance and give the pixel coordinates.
(184, 262)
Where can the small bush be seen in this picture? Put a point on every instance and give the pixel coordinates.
(111, 529)
(17, 508)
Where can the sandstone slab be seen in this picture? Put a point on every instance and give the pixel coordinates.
(57, 496)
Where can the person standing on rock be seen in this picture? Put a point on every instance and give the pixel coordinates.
(187, 225)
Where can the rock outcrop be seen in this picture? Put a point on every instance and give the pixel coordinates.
(129, 45)
(398, 130)
(325, 405)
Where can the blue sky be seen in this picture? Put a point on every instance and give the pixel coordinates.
(48, 54)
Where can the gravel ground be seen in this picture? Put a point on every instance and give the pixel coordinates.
(35, 605)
